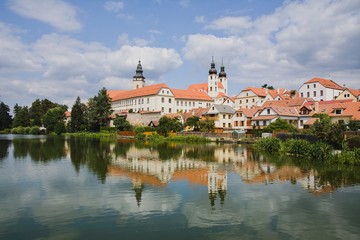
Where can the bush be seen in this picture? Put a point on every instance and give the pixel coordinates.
(35, 130)
(27, 130)
(18, 130)
(141, 129)
(320, 151)
(269, 144)
(297, 147)
(108, 129)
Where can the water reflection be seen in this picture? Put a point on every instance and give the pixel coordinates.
(4, 146)
(39, 149)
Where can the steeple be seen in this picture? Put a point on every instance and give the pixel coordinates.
(139, 79)
(222, 72)
(212, 69)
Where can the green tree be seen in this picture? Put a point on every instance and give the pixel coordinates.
(78, 116)
(5, 117)
(331, 133)
(280, 125)
(268, 87)
(99, 111)
(122, 124)
(22, 117)
(354, 125)
(167, 125)
(38, 109)
(207, 125)
(194, 122)
(54, 117)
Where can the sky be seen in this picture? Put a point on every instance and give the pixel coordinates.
(59, 49)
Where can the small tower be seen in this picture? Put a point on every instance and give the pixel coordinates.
(138, 79)
(223, 78)
(212, 81)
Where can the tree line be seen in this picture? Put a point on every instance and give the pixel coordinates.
(45, 114)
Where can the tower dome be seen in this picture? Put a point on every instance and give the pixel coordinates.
(212, 69)
(222, 72)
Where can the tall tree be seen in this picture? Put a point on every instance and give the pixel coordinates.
(194, 122)
(99, 110)
(167, 125)
(22, 117)
(54, 119)
(122, 124)
(36, 113)
(78, 116)
(5, 117)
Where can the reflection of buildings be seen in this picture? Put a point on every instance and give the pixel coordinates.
(144, 168)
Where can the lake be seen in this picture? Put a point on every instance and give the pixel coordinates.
(78, 188)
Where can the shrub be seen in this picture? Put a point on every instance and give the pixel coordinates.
(320, 151)
(35, 130)
(297, 147)
(269, 144)
(27, 130)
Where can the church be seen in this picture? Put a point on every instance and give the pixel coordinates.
(161, 98)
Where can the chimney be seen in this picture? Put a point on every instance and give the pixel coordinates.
(316, 107)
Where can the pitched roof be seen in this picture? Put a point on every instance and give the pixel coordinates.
(198, 86)
(328, 83)
(248, 112)
(298, 101)
(139, 92)
(190, 94)
(286, 111)
(222, 109)
(197, 112)
(355, 92)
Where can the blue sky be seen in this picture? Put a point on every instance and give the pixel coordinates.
(59, 49)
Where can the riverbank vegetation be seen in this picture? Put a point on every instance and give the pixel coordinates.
(303, 149)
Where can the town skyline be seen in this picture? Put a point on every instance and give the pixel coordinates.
(63, 49)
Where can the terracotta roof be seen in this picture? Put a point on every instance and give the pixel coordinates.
(249, 112)
(311, 121)
(286, 111)
(139, 92)
(326, 83)
(198, 112)
(286, 102)
(191, 94)
(220, 85)
(198, 86)
(221, 94)
(258, 91)
(355, 92)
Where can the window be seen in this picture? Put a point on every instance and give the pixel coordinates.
(210, 89)
(169, 110)
(308, 86)
(229, 116)
(264, 123)
(338, 111)
(229, 125)
(169, 100)
(162, 109)
(321, 92)
(253, 100)
(177, 103)
(314, 85)
(301, 122)
(240, 101)
(148, 100)
(224, 125)
(185, 104)
(142, 101)
(224, 116)
(314, 93)
(162, 100)
(268, 111)
(302, 94)
(308, 94)
(247, 100)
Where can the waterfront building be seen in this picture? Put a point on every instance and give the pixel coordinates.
(160, 97)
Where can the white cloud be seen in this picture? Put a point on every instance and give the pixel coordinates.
(299, 40)
(184, 3)
(56, 13)
(231, 25)
(63, 68)
(112, 6)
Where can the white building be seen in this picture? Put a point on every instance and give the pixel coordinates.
(159, 97)
(320, 89)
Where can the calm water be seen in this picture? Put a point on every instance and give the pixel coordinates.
(56, 188)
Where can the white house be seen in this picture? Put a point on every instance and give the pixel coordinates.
(320, 89)
(221, 115)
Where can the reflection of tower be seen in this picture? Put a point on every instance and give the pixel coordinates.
(217, 184)
(138, 188)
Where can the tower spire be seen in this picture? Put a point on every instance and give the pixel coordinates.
(138, 79)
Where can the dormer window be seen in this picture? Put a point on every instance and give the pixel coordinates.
(337, 111)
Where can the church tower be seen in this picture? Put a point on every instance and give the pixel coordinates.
(138, 79)
(212, 81)
(223, 78)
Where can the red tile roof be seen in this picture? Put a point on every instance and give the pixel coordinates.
(354, 92)
(326, 83)
(198, 86)
(139, 92)
(190, 94)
